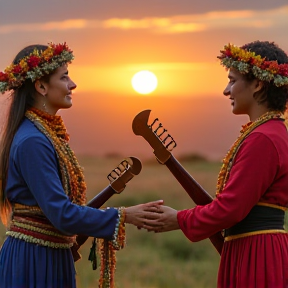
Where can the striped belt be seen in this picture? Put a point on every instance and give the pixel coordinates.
(28, 223)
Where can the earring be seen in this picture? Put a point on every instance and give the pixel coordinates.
(44, 104)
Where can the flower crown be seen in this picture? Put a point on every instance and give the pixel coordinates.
(246, 61)
(35, 65)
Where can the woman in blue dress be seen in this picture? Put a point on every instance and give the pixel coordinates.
(43, 184)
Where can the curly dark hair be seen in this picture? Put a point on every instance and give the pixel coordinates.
(275, 97)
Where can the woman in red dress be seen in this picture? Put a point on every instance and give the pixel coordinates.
(252, 194)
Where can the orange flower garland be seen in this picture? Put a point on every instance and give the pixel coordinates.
(72, 173)
(230, 156)
(35, 65)
(247, 61)
(74, 186)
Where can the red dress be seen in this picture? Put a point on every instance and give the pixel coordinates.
(259, 174)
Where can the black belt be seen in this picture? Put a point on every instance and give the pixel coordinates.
(259, 218)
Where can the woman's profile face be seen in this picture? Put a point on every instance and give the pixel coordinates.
(59, 90)
(240, 92)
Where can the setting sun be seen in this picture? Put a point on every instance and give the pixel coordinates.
(144, 82)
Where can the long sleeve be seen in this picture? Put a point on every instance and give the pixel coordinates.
(253, 171)
(34, 165)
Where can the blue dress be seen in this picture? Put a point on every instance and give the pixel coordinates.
(34, 180)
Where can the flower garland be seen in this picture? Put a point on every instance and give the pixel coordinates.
(35, 65)
(71, 172)
(246, 61)
(230, 156)
(107, 251)
(74, 186)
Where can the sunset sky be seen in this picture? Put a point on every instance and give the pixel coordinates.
(178, 40)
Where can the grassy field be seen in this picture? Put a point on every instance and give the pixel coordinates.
(152, 260)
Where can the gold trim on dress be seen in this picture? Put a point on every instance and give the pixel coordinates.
(272, 205)
(233, 237)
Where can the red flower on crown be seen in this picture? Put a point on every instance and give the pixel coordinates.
(3, 77)
(283, 69)
(58, 49)
(33, 61)
(272, 66)
(228, 53)
(34, 65)
(253, 61)
(17, 69)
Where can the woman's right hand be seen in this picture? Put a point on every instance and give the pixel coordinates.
(165, 220)
(139, 214)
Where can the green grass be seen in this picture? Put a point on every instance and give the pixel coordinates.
(152, 260)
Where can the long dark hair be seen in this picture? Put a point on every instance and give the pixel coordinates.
(22, 99)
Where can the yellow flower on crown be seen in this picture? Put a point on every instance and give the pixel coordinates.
(245, 55)
(8, 69)
(35, 52)
(246, 61)
(257, 60)
(12, 77)
(48, 53)
(24, 65)
(35, 65)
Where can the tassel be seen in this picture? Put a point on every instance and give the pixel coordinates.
(107, 250)
(92, 255)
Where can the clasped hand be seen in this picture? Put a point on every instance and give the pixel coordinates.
(152, 216)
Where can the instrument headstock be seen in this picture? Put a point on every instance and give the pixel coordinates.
(123, 173)
(155, 134)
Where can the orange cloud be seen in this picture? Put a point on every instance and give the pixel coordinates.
(173, 24)
(167, 25)
(55, 25)
(127, 24)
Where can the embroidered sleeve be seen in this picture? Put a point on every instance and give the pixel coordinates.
(119, 236)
